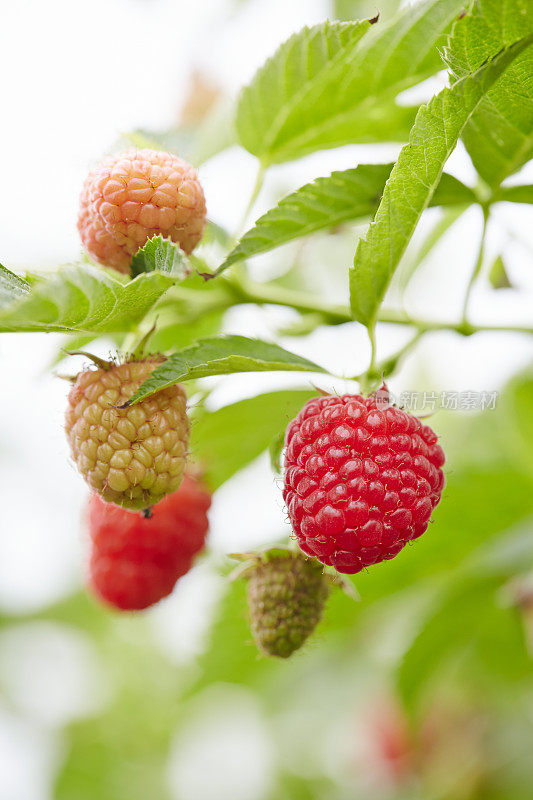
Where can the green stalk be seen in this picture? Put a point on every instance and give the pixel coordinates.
(245, 291)
(477, 266)
(258, 185)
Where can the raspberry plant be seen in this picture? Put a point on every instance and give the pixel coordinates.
(142, 213)
(155, 282)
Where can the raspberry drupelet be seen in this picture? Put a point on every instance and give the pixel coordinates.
(135, 195)
(362, 479)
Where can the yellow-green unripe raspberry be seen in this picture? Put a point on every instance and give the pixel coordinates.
(133, 196)
(131, 456)
(286, 597)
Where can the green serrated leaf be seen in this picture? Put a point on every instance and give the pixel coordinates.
(499, 135)
(350, 195)
(84, 299)
(253, 422)
(278, 85)
(161, 255)
(413, 180)
(12, 287)
(336, 83)
(356, 9)
(222, 355)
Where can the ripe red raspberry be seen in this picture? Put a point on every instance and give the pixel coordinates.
(131, 456)
(361, 479)
(136, 195)
(134, 560)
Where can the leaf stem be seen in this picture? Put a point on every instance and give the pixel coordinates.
(373, 347)
(477, 266)
(258, 185)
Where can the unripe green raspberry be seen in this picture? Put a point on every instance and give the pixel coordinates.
(131, 456)
(286, 597)
(135, 195)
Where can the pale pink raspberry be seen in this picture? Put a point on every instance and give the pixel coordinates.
(135, 195)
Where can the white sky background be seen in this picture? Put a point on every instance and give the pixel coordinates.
(76, 75)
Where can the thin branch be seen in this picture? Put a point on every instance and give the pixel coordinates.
(477, 266)
(270, 294)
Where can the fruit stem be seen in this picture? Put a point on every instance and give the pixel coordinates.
(137, 352)
(477, 266)
(388, 365)
(369, 378)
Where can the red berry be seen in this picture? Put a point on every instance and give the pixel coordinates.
(361, 479)
(135, 561)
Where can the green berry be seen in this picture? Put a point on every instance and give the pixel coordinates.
(286, 597)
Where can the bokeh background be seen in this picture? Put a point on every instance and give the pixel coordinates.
(423, 689)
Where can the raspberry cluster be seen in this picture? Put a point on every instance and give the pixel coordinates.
(138, 194)
(135, 561)
(361, 479)
(131, 456)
